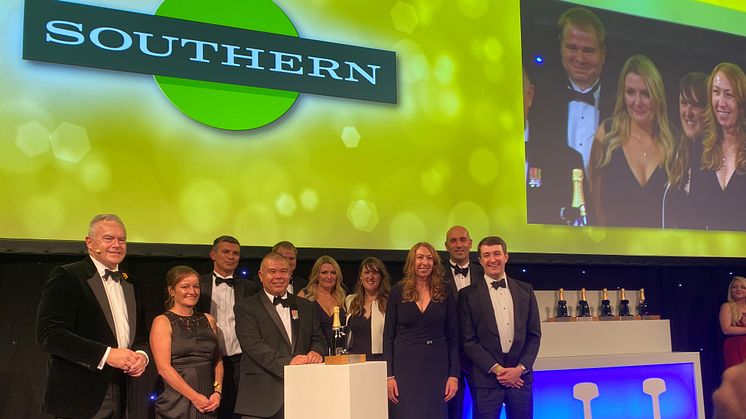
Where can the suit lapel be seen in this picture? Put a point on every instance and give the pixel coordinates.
(519, 300)
(294, 320)
(275, 317)
(487, 311)
(129, 300)
(97, 286)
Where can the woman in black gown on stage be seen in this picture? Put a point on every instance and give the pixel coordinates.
(366, 309)
(633, 152)
(185, 348)
(718, 191)
(420, 339)
(325, 288)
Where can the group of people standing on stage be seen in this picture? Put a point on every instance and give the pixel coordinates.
(640, 171)
(223, 342)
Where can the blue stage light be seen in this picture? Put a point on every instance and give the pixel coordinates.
(539, 59)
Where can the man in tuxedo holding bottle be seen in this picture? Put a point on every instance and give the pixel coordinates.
(220, 290)
(500, 333)
(275, 328)
(90, 320)
(460, 272)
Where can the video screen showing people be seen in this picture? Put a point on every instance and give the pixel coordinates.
(632, 122)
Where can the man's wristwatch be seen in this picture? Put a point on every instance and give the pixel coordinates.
(524, 370)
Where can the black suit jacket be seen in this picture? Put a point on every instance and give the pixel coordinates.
(480, 338)
(75, 325)
(476, 272)
(242, 288)
(267, 349)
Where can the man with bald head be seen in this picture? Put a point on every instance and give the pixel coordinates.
(459, 273)
(275, 329)
(91, 322)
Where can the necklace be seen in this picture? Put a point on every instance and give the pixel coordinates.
(645, 150)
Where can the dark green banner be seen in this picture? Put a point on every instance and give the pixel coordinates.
(89, 36)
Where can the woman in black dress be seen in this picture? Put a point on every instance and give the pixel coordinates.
(719, 189)
(633, 152)
(366, 309)
(420, 339)
(326, 289)
(186, 352)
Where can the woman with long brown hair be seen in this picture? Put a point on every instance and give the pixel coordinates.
(366, 309)
(420, 339)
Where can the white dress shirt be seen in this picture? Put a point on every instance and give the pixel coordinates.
(502, 304)
(115, 296)
(284, 313)
(582, 122)
(223, 299)
(461, 280)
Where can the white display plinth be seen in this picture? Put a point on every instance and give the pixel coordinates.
(355, 391)
(604, 338)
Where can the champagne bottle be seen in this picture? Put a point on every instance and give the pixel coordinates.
(561, 304)
(623, 304)
(583, 309)
(338, 346)
(642, 307)
(605, 304)
(575, 215)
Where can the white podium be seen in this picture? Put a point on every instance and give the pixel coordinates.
(355, 391)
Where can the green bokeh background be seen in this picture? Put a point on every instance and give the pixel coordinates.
(331, 172)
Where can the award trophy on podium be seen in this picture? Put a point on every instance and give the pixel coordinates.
(584, 310)
(605, 312)
(623, 305)
(562, 306)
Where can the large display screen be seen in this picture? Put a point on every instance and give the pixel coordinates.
(188, 150)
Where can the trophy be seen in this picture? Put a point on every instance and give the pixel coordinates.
(605, 305)
(623, 304)
(642, 306)
(575, 214)
(339, 346)
(561, 304)
(584, 309)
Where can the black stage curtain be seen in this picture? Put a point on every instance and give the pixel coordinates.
(687, 291)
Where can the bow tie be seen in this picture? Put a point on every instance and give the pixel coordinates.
(283, 301)
(457, 270)
(116, 276)
(226, 281)
(587, 97)
(499, 284)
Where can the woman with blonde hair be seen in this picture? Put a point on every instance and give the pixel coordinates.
(325, 288)
(718, 189)
(366, 309)
(633, 152)
(420, 339)
(733, 322)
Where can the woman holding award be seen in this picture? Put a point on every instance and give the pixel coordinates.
(366, 309)
(326, 289)
(632, 153)
(186, 352)
(420, 339)
(718, 189)
(733, 323)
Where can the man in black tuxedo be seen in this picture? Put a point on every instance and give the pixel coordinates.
(572, 106)
(500, 333)
(290, 252)
(91, 322)
(549, 169)
(460, 272)
(220, 290)
(275, 329)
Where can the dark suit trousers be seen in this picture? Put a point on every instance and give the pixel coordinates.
(279, 415)
(231, 375)
(488, 402)
(111, 406)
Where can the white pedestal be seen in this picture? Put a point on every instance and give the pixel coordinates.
(356, 391)
(604, 338)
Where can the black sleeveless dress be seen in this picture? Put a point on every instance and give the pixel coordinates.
(193, 346)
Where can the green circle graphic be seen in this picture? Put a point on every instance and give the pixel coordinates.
(221, 105)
